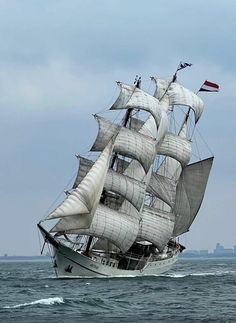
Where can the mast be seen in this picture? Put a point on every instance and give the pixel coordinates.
(88, 245)
(137, 83)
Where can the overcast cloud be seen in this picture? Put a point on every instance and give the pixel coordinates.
(59, 61)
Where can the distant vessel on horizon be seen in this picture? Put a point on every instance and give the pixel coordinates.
(128, 205)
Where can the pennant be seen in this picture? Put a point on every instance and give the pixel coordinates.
(209, 87)
(183, 65)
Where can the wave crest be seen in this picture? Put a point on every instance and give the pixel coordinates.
(215, 273)
(43, 301)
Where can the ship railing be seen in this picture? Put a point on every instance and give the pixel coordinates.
(112, 254)
(135, 256)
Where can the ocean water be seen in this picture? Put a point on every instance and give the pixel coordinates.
(195, 290)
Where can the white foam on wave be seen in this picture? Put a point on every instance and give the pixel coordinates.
(175, 275)
(216, 273)
(44, 301)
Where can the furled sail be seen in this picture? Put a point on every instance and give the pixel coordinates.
(178, 95)
(128, 143)
(190, 191)
(156, 226)
(115, 226)
(84, 198)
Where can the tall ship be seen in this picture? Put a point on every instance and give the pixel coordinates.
(139, 188)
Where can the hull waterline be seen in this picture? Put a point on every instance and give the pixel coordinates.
(71, 264)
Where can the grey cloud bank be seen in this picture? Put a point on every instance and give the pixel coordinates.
(59, 61)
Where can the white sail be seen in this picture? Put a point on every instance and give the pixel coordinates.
(162, 188)
(149, 128)
(128, 143)
(134, 145)
(182, 209)
(106, 130)
(127, 208)
(126, 91)
(144, 101)
(84, 199)
(85, 165)
(178, 95)
(121, 165)
(127, 187)
(161, 87)
(190, 191)
(171, 168)
(134, 169)
(115, 226)
(136, 124)
(131, 189)
(156, 226)
(176, 147)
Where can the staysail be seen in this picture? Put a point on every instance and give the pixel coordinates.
(84, 198)
(190, 192)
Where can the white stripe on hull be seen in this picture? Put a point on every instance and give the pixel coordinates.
(82, 266)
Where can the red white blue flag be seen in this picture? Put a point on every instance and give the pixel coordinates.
(209, 87)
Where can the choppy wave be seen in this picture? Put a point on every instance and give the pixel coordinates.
(44, 301)
(188, 291)
(216, 273)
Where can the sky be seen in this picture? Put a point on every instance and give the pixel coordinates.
(59, 63)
